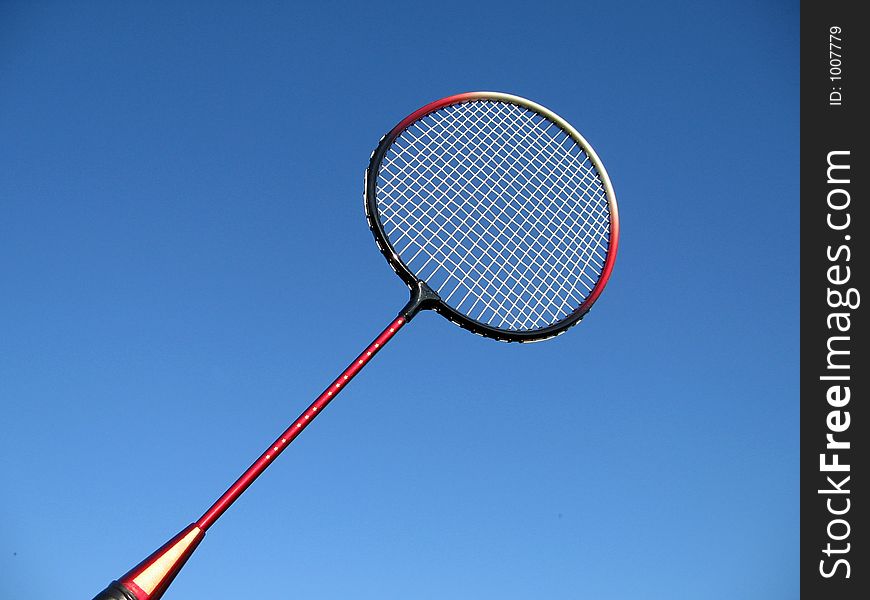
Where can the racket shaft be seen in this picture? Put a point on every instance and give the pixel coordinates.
(150, 578)
(280, 443)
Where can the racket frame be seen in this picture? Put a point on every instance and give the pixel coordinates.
(416, 284)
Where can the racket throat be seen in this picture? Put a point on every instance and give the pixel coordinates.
(422, 298)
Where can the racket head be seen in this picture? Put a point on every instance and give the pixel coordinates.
(458, 168)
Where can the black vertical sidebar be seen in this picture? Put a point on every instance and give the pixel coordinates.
(835, 363)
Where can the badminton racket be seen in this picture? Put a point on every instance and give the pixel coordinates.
(497, 214)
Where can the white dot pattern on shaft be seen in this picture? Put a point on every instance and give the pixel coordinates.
(499, 210)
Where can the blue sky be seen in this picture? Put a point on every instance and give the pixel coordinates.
(185, 264)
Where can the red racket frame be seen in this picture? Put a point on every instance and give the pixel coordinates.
(409, 277)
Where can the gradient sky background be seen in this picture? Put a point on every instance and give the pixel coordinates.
(185, 264)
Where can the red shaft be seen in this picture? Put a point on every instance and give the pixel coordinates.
(254, 471)
(149, 579)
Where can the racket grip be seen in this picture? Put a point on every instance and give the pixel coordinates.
(150, 578)
(115, 591)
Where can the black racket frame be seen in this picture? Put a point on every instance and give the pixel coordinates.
(422, 296)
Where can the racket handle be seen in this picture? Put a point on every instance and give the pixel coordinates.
(115, 591)
(150, 578)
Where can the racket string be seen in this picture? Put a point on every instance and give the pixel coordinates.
(497, 209)
(481, 215)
